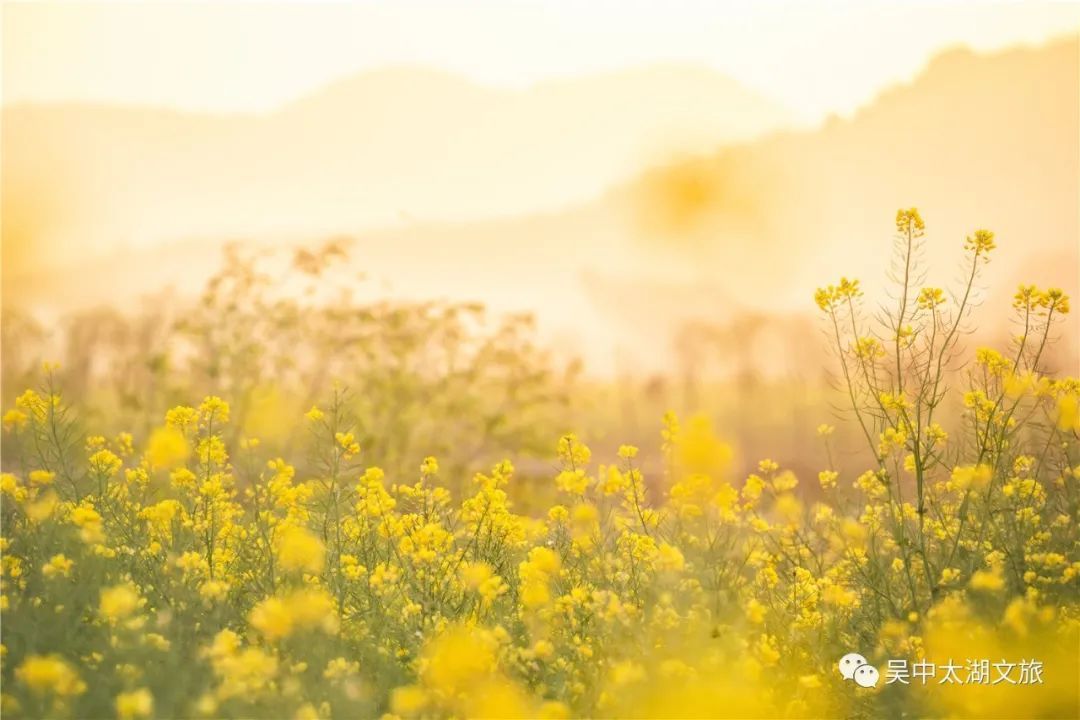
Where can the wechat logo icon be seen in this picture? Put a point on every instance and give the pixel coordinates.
(853, 666)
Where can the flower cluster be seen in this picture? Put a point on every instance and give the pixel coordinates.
(183, 572)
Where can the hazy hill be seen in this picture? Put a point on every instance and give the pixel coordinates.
(974, 141)
(381, 148)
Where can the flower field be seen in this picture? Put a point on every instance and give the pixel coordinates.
(188, 568)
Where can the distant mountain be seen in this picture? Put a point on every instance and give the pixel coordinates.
(976, 140)
(384, 148)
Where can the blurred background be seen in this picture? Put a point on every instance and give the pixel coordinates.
(496, 222)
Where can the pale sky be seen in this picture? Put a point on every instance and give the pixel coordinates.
(813, 58)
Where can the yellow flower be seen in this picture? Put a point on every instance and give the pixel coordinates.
(543, 649)
(1068, 412)
(57, 565)
(936, 435)
(339, 668)
(573, 452)
(136, 704)
(158, 642)
(584, 517)
(181, 417)
(39, 478)
(307, 711)
(37, 406)
(243, 672)
(910, 221)
(574, 482)
(930, 298)
(766, 650)
(166, 447)
(272, 618)
(212, 590)
(830, 297)
(408, 701)
(87, 519)
(981, 243)
(755, 611)
(14, 420)
(347, 443)
(839, 596)
(752, 488)
(119, 602)
(430, 467)
(992, 360)
(891, 440)
(10, 485)
(213, 410)
(43, 507)
(298, 550)
(785, 481)
(669, 558)
(948, 575)
(105, 463)
(789, 508)
(854, 532)
(455, 660)
(535, 576)
(374, 501)
(545, 560)
(49, 673)
(1026, 298)
(183, 479)
(871, 484)
(125, 444)
(1054, 300)
(1018, 385)
(553, 710)
(309, 609)
(479, 578)
(987, 580)
(971, 477)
